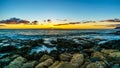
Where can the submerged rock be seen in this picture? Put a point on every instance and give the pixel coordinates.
(17, 63)
(30, 64)
(6, 60)
(8, 49)
(113, 44)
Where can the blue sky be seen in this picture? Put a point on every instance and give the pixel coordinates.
(77, 10)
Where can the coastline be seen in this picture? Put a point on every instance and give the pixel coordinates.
(71, 52)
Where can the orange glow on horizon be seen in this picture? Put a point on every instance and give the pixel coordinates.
(98, 25)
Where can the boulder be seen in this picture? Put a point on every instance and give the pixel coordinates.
(7, 49)
(54, 64)
(45, 57)
(98, 55)
(113, 44)
(64, 65)
(5, 61)
(77, 60)
(44, 64)
(65, 57)
(98, 64)
(115, 55)
(108, 51)
(30, 64)
(17, 63)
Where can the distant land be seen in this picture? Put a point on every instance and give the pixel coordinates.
(17, 23)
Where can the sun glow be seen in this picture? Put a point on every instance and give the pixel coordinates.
(98, 25)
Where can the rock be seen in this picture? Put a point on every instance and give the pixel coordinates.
(17, 63)
(88, 52)
(108, 51)
(77, 60)
(64, 65)
(98, 64)
(7, 49)
(115, 66)
(45, 57)
(115, 55)
(84, 65)
(113, 44)
(65, 56)
(5, 61)
(44, 64)
(117, 32)
(67, 45)
(98, 55)
(30, 64)
(54, 64)
(86, 44)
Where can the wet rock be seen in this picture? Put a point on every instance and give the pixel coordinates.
(45, 57)
(86, 44)
(44, 64)
(98, 64)
(115, 66)
(5, 61)
(17, 63)
(7, 49)
(113, 44)
(88, 52)
(30, 64)
(2, 55)
(53, 42)
(65, 57)
(66, 45)
(117, 32)
(77, 60)
(36, 56)
(34, 43)
(55, 54)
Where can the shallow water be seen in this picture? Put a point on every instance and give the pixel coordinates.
(35, 34)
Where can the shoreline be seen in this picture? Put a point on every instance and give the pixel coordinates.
(59, 53)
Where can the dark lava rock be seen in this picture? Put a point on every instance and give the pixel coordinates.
(66, 45)
(113, 44)
(34, 43)
(7, 49)
(55, 54)
(35, 56)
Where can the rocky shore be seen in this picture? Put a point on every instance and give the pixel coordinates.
(74, 52)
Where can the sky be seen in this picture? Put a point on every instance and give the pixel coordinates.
(75, 10)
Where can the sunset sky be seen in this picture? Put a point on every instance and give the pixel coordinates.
(76, 10)
(73, 10)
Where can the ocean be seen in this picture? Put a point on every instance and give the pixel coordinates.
(38, 34)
